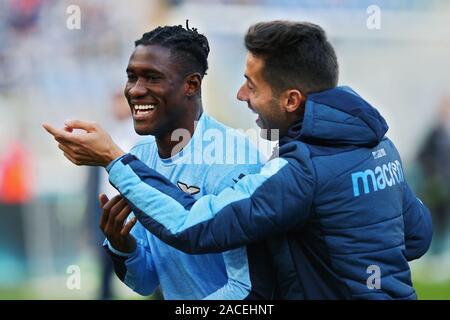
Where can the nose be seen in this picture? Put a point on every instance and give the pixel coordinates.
(242, 94)
(137, 90)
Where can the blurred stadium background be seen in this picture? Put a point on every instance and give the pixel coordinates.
(50, 73)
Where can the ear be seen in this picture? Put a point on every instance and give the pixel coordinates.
(193, 84)
(293, 100)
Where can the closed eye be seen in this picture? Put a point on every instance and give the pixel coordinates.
(131, 77)
(152, 77)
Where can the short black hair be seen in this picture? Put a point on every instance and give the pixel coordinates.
(297, 55)
(188, 48)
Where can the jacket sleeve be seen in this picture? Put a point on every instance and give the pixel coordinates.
(257, 206)
(136, 269)
(417, 222)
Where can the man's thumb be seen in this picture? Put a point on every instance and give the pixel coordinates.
(79, 124)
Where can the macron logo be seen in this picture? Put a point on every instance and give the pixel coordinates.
(386, 175)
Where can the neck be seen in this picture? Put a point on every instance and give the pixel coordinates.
(291, 121)
(167, 147)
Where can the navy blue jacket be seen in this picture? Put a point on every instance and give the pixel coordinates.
(334, 207)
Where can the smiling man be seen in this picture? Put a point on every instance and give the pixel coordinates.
(163, 89)
(339, 218)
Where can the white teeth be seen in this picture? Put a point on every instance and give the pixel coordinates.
(144, 107)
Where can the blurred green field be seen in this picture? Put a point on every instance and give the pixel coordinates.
(430, 278)
(432, 291)
(425, 291)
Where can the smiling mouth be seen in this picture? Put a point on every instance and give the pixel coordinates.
(141, 111)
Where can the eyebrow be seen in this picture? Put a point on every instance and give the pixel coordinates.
(249, 79)
(143, 70)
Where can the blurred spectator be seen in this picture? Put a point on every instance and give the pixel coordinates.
(15, 193)
(15, 184)
(24, 14)
(434, 160)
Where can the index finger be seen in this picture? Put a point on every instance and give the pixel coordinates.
(112, 202)
(58, 133)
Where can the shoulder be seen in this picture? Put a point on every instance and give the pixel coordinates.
(237, 147)
(143, 146)
(296, 152)
(234, 156)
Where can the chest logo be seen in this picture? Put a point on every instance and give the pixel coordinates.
(188, 189)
